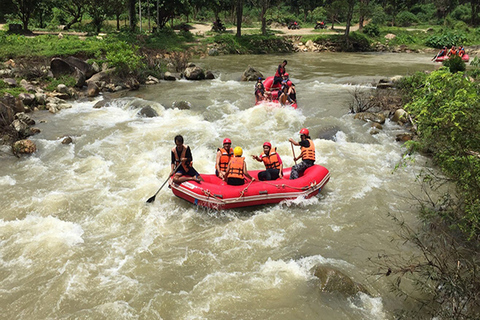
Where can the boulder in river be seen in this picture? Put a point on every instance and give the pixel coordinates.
(148, 112)
(250, 74)
(332, 280)
(329, 133)
(23, 147)
(182, 105)
(194, 73)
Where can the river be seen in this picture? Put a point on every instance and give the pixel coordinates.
(78, 240)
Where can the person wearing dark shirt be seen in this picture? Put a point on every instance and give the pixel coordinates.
(280, 72)
(182, 169)
(307, 154)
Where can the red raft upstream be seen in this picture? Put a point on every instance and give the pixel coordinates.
(465, 58)
(217, 194)
(267, 84)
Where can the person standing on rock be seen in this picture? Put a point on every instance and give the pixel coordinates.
(307, 154)
(280, 72)
(182, 169)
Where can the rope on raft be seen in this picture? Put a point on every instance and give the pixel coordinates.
(283, 185)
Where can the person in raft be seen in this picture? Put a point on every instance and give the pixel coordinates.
(307, 154)
(259, 90)
(441, 53)
(223, 158)
(272, 161)
(237, 169)
(280, 72)
(182, 160)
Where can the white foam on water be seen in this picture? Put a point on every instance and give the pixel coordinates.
(7, 181)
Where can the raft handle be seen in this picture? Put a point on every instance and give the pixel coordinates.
(218, 196)
(263, 192)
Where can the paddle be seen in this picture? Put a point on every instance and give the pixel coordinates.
(293, 151)
(152, 198)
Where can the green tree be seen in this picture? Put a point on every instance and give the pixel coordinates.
(25, 10)
(334, 9)
(75, 9)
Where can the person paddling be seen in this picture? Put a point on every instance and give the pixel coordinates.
(279, 74)
(307, 154)
(182, 161)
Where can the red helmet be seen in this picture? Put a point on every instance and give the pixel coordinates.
(305, 131)
(226, 140)
(285, 74)
(267, 144)
(289, 83)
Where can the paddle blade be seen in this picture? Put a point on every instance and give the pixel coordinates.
(151, 199)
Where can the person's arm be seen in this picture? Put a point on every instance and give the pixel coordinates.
(245, 172)
(295, 143)
(226, 172)
(281, 166)
(217, 161)
(255, 157)
(173, 165)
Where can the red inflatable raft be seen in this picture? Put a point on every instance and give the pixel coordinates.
(465, 58)
(217, 194)
(267, 84)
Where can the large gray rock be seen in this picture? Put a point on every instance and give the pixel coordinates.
(209, 75)
(23, 117)
(182, 105)
(194, 73)
(101, 76)
(328, 133)
(86, 68)
(27, 98)
(92, 90)
(6, 115)
(10, 82)
(250, 74)
(368, 116)
(169, 76)
(60, 67)
(332, 280)
(148, 112)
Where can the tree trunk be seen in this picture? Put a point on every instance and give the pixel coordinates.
(148, 15)
(239, 17)
(132, 14)
(264, 20)
(118, 21)
(140, 13)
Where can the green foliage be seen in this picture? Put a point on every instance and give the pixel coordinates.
(454, 64)
(371, 29)
(4, 88)
(318, 14)
(446, 39)
(406, 19)
(251, 44)
(379, 16)
(123, 56)
(424, 12)
(69, 81)
(462, 12)
(445, 109)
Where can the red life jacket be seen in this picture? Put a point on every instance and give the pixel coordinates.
(185, 166)
(236, 167)
(282, 71)
(271, 161)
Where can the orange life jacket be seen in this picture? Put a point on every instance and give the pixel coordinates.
(236, 167)
(308, 153)
(224, 158)
(271, 161)
(461, 52)
(452, 52)
(177, 158)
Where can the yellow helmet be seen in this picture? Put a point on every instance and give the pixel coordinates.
(238, 151)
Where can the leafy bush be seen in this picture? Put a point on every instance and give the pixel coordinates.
(405, 19)
(69, 81)
(379, 16)
(462, 12)
(318, 14)
(371, 29)
(454, 64)
(445, 109)
(123, 56)
(446, 39)
(424, 12)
